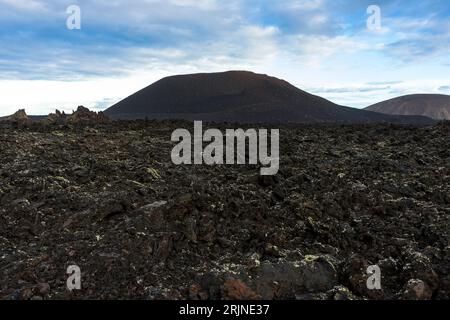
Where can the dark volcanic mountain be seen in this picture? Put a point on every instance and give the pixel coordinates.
(435, 106)
(239, 96)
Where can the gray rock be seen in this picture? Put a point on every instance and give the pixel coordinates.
(416, 289)
(285, 279)
(150, 208)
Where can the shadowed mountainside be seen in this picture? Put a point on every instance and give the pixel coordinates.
(435, 106)
(239, 96)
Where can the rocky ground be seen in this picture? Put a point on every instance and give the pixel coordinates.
(107, 198)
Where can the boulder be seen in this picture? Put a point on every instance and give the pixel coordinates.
(19, 118)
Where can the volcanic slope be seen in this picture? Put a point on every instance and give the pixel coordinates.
(242, 97)
(435, 106)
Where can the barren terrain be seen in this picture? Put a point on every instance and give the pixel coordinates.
(108, 199)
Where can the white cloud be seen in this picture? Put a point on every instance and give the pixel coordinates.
(301, 4)
(313, 50)
(25, 5)
(200, 4)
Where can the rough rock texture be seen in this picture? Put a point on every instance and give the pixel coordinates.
(84, 116)
(56, 118)
(19, 118)
(106, 197)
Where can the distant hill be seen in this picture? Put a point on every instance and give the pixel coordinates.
(239, 96)
(33, 118)
(435, 106)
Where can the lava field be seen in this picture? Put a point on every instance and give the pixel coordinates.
(108, 199)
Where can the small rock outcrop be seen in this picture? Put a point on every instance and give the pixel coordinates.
(84, 116)
(56, 118)
(19, 118)
(81, 116)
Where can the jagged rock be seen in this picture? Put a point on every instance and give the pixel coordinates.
(163, 248)
(285, 279)
(211, 284)
(56, 118)
(419, 266)
(150, 208)
(234, 289)
(84, 116)
(417, 290)
(19, 118)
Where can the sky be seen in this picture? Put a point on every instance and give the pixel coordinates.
(342, 50)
